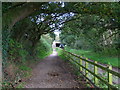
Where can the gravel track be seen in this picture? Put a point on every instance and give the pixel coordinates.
(53, 72)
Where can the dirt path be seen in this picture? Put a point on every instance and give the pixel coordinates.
(52, 72)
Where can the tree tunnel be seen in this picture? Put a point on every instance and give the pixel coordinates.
(28, 29)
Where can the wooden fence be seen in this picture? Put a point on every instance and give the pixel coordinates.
(95, 72)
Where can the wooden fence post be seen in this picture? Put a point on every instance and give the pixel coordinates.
(96, 72)
(108, 70)
(86, 66)
(110, 75)
(80, 64)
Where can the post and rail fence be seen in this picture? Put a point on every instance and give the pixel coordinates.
(108, 69)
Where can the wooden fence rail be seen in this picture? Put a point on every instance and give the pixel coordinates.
(96, 66)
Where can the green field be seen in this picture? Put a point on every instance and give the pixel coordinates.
(102, 58)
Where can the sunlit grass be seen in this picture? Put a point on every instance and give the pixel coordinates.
(100, 57)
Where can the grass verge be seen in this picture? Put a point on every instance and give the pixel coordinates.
(100, 57)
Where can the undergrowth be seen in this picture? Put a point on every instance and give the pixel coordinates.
(21, 60)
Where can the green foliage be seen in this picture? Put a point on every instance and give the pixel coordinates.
(7, 84)
(18, 55)
(44, 48)
(5, 7)
(23, 54)
(61, 54)
(25, 68)
(89, 29)
(92, 33)
(52, 35)
(21, 85)
(93, 29)
(16, 51)
(102, 57)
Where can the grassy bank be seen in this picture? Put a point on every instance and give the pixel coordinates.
(100, 57)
